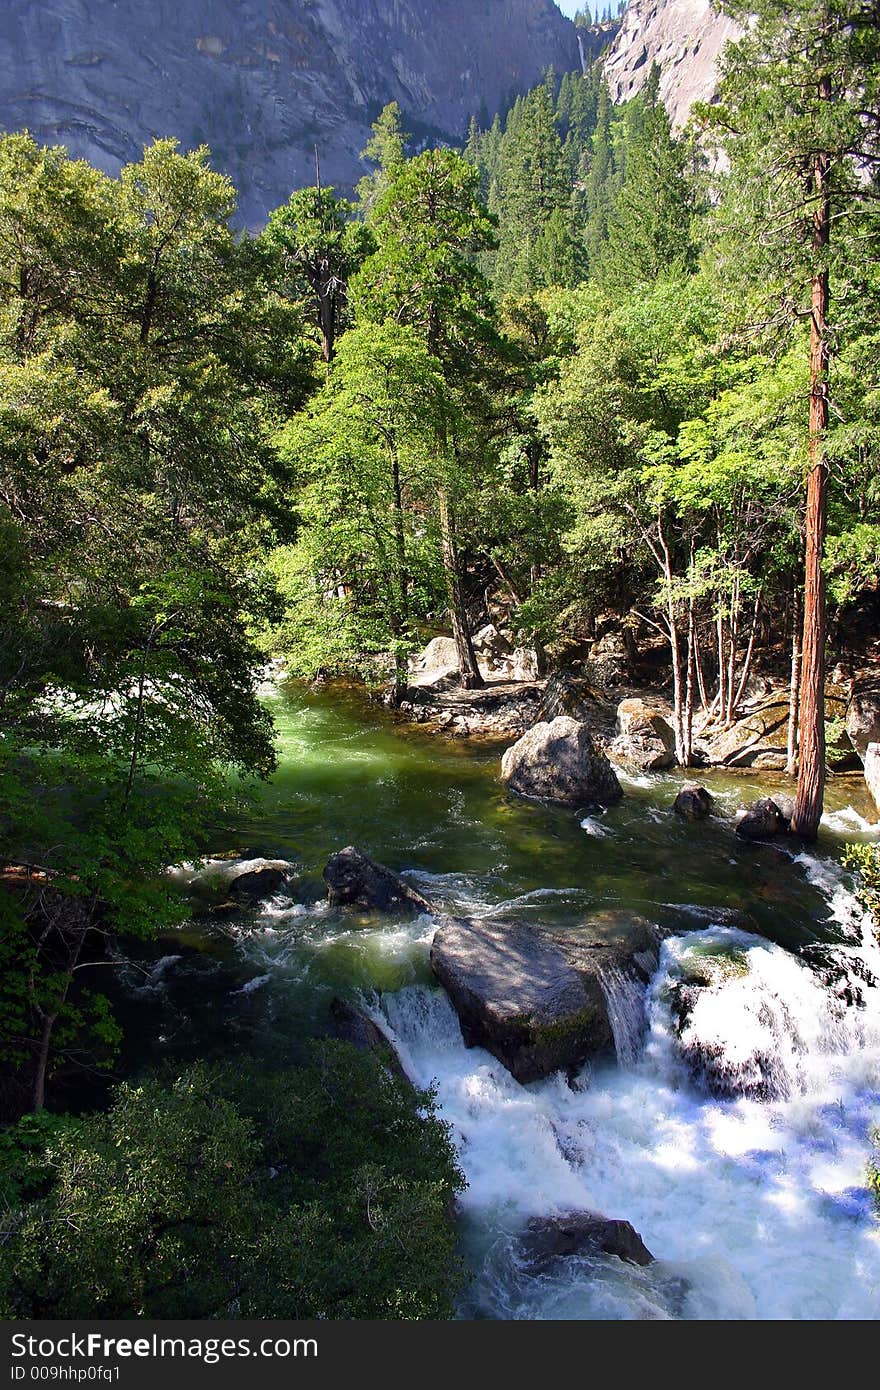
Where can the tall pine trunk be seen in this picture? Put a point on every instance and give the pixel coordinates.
(794, 689)
(811, 767)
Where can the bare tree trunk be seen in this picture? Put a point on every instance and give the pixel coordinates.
(698, 666)
(794, 696)
(750, 653)
(689, 688)
(44, 1049)
(681, 749)
(733, 629)
(719, 641)
(811, 768)
(467, 660)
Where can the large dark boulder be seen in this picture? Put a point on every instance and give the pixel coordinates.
(538, 1002)
(355, 880)
(256, 885)
(559, 762)
(693, 802)
(769, 816)
(548, 1239)
(644, 736)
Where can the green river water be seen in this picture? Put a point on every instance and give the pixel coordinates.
(766, 1196)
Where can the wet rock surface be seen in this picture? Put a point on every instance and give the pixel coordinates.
(352, 1025)
(549, 1239)
(693, 802)
(355, 880)
(537, 1001)
(256, 885)
(766, 818)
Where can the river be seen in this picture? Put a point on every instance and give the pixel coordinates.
(752, 1208)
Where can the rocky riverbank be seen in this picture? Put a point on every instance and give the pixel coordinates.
(632, 723)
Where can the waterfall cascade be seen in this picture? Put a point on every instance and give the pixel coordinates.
(733, 1134)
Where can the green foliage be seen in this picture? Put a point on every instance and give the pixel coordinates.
(143, 369)
(322, 1192)
(316, 246)
(864, 860)
(365, 461)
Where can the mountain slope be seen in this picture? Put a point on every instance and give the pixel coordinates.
(264, 81)
(684, 36)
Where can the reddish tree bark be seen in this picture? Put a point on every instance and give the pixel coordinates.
(811, 767)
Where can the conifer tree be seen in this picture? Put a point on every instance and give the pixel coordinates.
(800, 120)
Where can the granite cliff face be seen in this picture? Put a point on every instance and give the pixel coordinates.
(685, 37)
(263, 81)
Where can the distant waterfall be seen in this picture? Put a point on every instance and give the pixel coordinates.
(584, 64)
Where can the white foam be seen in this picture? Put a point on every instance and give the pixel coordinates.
(753, 1208)
(848, 822)
(251, 985)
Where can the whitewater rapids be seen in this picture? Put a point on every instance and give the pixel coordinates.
(754, 1208)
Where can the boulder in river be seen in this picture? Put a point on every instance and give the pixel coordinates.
(644, 737)
(559, 762)
(745, 1013)
(693, 802)
(541, 1003)
(355, 880)
(765, 818)
(551, 1238)
(256, 885)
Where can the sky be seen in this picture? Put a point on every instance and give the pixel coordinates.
(569, 6)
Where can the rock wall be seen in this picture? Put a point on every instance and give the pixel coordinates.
(263, 82)
(685, 37)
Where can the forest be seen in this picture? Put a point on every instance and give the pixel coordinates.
(587, 364)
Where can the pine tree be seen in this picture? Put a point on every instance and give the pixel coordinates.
(800, 120)
(649, 227)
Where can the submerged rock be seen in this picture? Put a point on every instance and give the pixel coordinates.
(355, 880)
(538, 1002)
(551, 1238)
(693, 802)
(559, 762)
(746, 1014)
(645, 738)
